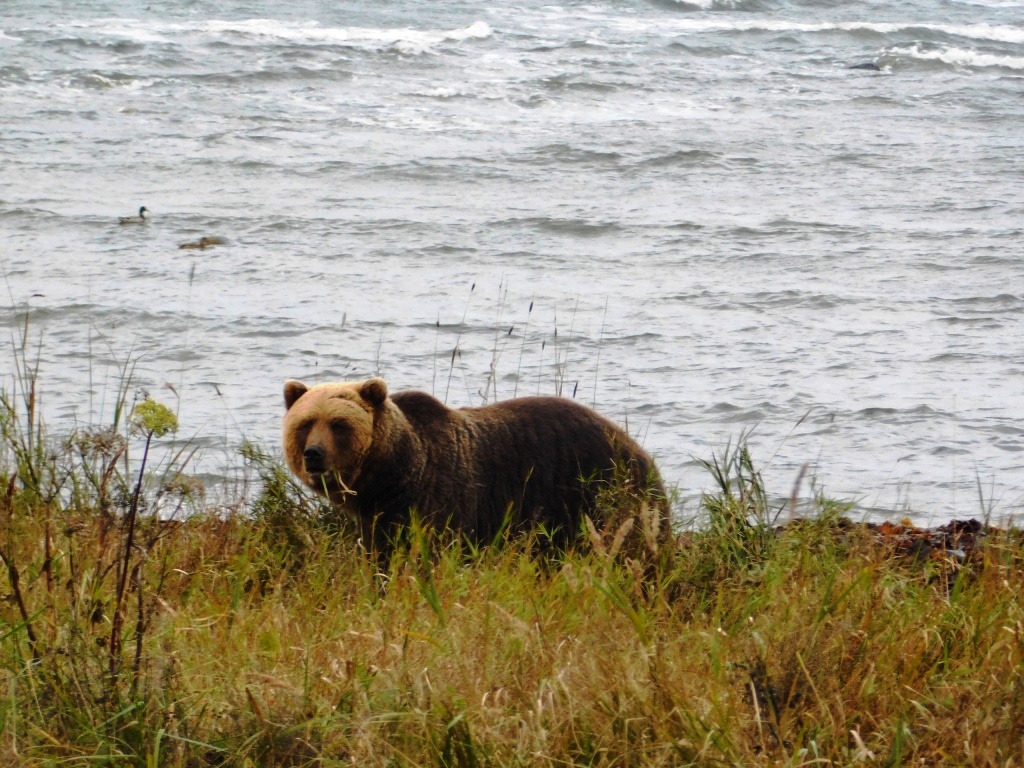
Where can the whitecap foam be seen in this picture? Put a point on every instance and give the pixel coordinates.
(261, 29)
(993, 3)
(478, 30)
(707, 5)
(441, 92)
(5, 38)
(959, 57)
(132, 30)
(1000, 34)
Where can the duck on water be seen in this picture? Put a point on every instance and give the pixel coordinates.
(201, 244)
(140, 219)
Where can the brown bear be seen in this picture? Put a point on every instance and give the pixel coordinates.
(522, 464)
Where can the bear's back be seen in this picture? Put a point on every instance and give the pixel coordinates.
(544, 459)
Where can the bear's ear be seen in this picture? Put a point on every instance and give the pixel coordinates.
(374, 391)
(293, 390)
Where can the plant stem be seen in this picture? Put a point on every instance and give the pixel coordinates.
(122, 580)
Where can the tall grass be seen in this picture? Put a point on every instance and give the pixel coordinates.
(268, 637)
(266, 648)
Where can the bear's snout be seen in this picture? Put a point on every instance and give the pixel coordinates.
(315, 459)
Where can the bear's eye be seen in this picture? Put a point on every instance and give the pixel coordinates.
(340, 427)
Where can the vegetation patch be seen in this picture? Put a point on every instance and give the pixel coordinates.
(144, 624)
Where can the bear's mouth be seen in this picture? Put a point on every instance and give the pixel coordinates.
(314, 458)
(330, 482)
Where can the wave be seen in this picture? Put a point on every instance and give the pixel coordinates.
(562, 226)
(959, 57)
(565, 82)
(685, 158)
(999, 34)
(730, 413)
(320, 74)
(898, 415)
(567, 153)
(1003, 301)
(791, 299)
(260, 31)
(993, 3)
(709, 5)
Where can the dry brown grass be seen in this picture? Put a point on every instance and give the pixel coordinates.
(264, 647)
(258, 634)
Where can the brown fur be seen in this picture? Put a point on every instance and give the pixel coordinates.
(526, 462)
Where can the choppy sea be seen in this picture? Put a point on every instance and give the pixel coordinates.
(799, 224)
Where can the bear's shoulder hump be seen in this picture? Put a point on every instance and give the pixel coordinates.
(419, 406)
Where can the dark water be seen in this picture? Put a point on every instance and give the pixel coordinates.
(720, 226)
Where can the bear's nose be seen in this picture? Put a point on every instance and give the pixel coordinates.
(314, 458)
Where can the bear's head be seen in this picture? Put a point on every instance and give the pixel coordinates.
(328, 430)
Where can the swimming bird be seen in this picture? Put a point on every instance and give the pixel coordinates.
(140, 219)
(202, 243)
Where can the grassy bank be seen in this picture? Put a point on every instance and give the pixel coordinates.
(259, 634)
